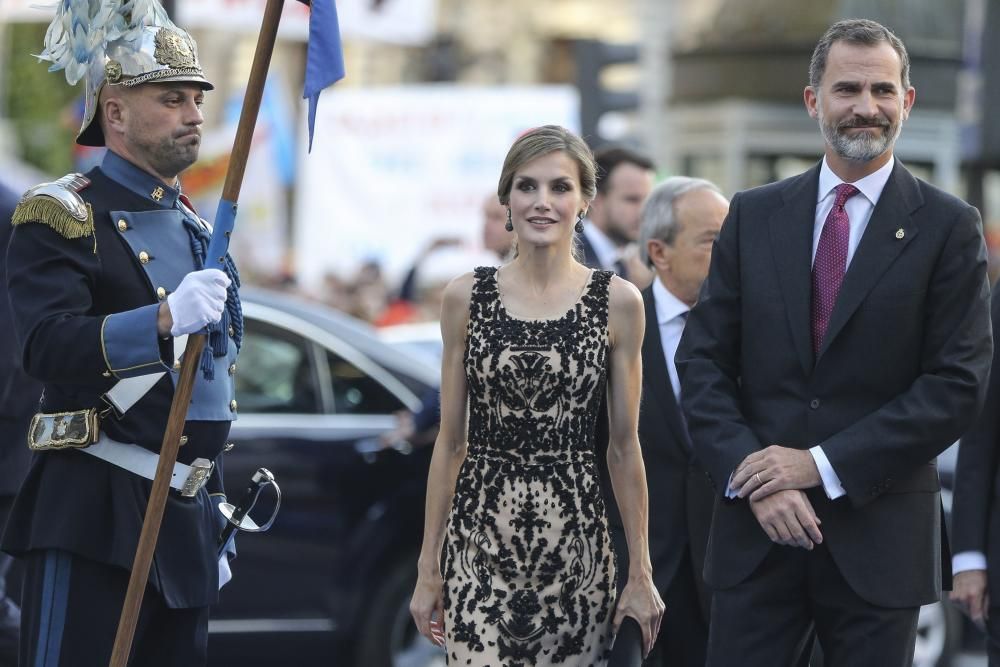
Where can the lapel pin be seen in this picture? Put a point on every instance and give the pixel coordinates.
(900, 233)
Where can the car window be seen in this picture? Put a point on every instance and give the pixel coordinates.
(355, 392)
(275, 372)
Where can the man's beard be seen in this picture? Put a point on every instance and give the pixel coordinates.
(167, 157)
(617, 233)
(862, 146)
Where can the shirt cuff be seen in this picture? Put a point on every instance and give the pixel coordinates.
(831, 483)
(968, 560)
(130, 343)
(730, 492)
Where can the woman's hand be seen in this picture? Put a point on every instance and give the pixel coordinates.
(427, 607)
(641, 601)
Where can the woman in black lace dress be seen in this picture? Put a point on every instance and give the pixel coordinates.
(517, 567)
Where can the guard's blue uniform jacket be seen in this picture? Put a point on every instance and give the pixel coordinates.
(84, 304)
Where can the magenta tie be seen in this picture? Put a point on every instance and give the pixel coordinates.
(830, 263)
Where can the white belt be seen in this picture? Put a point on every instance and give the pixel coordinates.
(127, 392)
(188, 479)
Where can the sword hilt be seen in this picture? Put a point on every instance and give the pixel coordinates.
(234, 520)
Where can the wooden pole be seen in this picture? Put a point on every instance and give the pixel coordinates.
(192, 354)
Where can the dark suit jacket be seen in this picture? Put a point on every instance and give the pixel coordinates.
(19, 393)
(589, 256)
(900, 375)
(974, 519)
(680, 495)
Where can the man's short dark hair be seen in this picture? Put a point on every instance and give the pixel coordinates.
(860, 32)
(608, 159)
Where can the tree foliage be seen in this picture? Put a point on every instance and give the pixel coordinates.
(38, 103)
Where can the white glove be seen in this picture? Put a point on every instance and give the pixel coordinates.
(198, 301)
(225, 573)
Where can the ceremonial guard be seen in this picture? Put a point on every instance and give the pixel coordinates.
(106, 278)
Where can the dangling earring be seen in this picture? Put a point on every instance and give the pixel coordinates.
(579, 223)
(510, 223)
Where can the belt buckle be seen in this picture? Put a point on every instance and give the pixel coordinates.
(201, 469)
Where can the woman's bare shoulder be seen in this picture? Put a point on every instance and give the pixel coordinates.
(458, 292)
(623, 297)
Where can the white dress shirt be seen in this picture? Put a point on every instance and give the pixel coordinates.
(671, 315)
(605, 249)
(859, 211)
(968, 560)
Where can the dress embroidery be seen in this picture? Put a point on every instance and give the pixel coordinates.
(528, 565)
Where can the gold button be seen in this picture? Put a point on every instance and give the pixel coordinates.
(184, 440)
(229, 446)
(161, 293)
(232, 405)
(122, 225)
(232, 369)
(143, 257)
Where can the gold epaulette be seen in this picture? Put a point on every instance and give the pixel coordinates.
(58, 205)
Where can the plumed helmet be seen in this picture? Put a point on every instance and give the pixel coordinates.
(158, 54)
(117, 42)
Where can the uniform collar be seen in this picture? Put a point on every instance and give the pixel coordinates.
(138, 181)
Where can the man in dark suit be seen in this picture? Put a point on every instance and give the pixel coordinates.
(624, 179)
(974, 517)
(680, 221)
(19, 396)
(842, 341)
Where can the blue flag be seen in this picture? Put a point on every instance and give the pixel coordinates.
(324, 55)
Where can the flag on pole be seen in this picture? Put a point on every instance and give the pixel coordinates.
(324, 54)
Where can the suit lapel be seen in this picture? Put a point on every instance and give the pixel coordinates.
(656, 377)
(791, 230)
(589, 255)
(879, 247)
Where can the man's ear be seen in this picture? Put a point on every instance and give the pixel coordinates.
(909, 97)
(114, 113)
(659, 254)
(811, 100)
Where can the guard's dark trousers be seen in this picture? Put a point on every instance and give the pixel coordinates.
(69, 615)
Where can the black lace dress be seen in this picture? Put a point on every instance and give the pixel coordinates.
(529, 570)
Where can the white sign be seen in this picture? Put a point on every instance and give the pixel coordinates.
(393, 168)
(412, 22)
(409, 22)
(243, 16)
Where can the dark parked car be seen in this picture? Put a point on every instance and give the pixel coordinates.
(330, 583)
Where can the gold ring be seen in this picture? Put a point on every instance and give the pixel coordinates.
(760, 482)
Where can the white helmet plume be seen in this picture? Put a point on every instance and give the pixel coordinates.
(81, 29)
